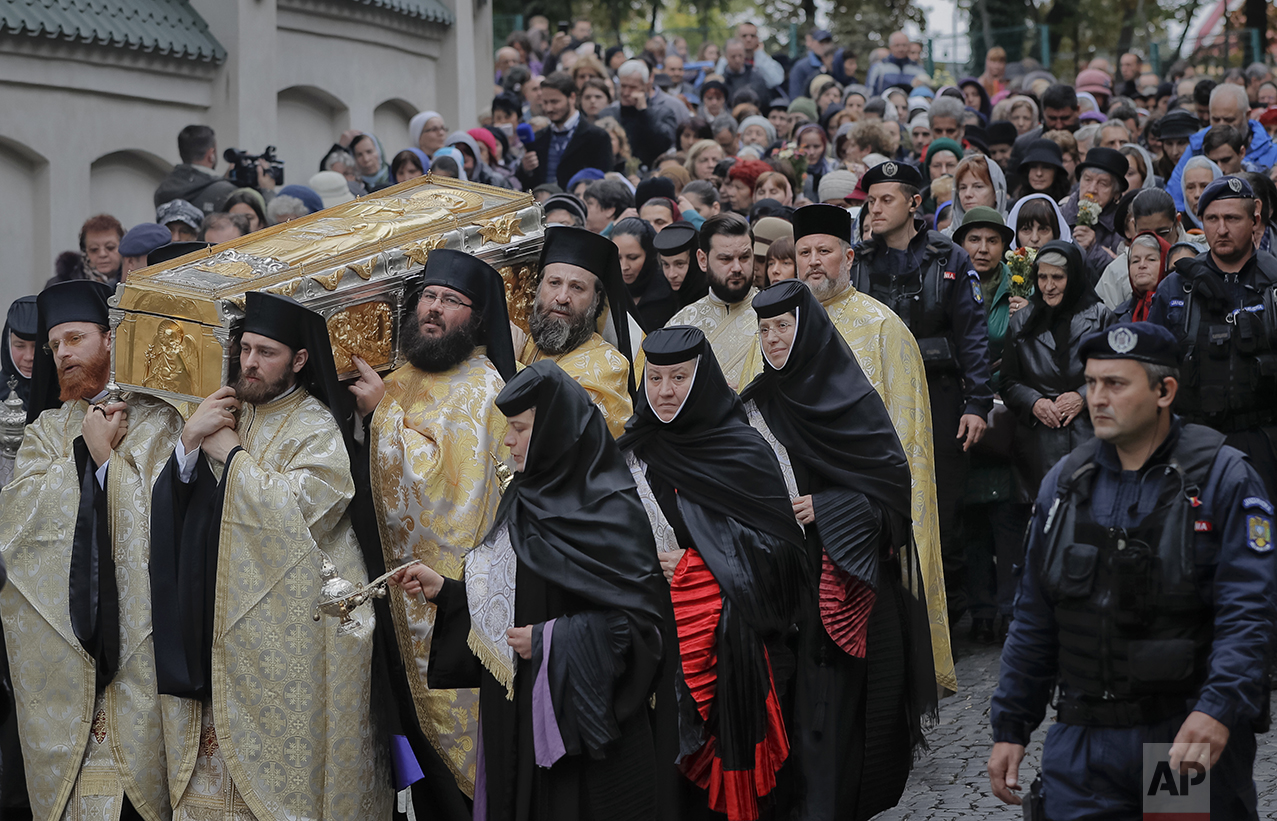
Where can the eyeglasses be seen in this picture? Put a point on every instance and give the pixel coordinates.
(448, 301)
(72, 341)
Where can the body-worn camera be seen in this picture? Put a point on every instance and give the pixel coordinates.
(244, 166)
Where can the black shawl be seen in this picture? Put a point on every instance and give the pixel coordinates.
(653, 297)
(723, 481)
(823, 408)
(23, 322)
(576, 521)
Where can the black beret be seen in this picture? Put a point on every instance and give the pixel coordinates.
(892, 171)
(1225, 188)
(1141, 341)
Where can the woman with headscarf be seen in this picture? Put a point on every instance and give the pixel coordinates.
(449, 162)
(813, 144)
(17, 349)
(1043, 380)
(977, 182)
(757, 130)
(737, 570)
(676, 247)
(1037, 219)
(1142, 173)
(654, 300)
(975, 97)
(1199, 172)
(370, 162)
(558, 620)
(865, 675)
(427, 131)
(476, 169)
(408, 165)
(1147, 262)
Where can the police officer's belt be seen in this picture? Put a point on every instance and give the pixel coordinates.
(1122, 713)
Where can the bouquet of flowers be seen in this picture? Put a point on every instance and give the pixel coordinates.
(789, 151)
(1088, 210)
(1020, 263)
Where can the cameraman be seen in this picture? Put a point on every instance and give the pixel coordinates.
(195, 179)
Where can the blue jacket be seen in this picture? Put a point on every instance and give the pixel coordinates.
(1237, 574)
(1262, 153)
(800, 75)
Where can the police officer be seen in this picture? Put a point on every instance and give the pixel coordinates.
(929, 282)
(1145, 598)
(1220, 307)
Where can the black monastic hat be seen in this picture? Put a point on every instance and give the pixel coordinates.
(822, 219)
(486, 289)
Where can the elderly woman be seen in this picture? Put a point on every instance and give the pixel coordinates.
(757, 130)
(701, 159)
(428, 131)
(1102, 181)
(1043, 381)
(1147, 263)
(942, 158)
(1198, 173)
(977, 182)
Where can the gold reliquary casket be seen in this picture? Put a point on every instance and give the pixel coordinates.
(354, 264)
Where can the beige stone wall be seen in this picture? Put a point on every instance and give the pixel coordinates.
(87, 129)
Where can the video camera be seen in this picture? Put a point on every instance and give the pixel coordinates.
(244, 166)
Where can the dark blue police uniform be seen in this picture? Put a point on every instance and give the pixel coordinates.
(934, 288)
(1145, 595)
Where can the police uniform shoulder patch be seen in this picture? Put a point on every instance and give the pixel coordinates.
(976, 293)
(1259, 534)
(1257, 503)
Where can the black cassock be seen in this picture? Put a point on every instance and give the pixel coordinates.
(865, 675)
(586, 559)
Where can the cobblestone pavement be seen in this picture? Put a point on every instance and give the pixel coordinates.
(948, 782)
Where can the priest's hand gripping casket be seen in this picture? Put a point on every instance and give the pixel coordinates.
(353, 263)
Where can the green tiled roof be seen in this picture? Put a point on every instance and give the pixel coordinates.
(430, 10)
(168, 27)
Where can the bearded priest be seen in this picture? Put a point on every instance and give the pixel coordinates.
(77, 607)
(431, 479)
(267, 712)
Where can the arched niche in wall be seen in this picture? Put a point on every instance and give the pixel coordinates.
(24, 222)
(123, 183)
(310, 120)
(390, 124)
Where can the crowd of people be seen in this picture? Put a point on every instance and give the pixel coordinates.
(817, 368)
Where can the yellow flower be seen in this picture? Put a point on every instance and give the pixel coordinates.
(1017, 279)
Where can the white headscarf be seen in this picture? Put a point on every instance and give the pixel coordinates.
(1066, 233)
(1200, 161)
(418, 124)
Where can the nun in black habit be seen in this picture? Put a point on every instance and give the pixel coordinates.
(721, 511)
(19, 329)
(558, 621)
(865, 676)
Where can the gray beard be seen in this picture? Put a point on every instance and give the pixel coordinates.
(828, 287)
(556, 336)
